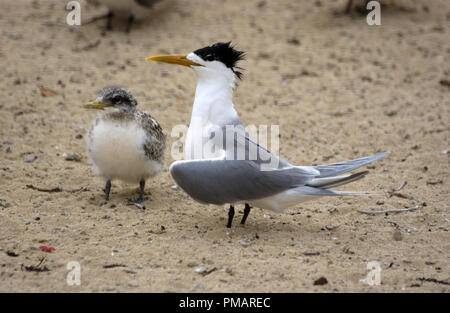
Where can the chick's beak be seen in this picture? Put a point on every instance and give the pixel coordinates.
(179, 59)
(95, 105)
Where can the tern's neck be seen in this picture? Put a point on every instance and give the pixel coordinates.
(213, 99)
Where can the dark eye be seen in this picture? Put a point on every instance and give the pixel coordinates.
(116, 99)
(209, 57)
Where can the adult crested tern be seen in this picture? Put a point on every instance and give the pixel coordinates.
(131, 9)
(236, 174)
(124, 143)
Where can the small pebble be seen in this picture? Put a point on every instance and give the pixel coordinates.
(244, 243)
(311, 253)
(321, 281)
(331, 227)
(30, 160)
(198, 286)
(398, 236)
(332, 210)
(72, 157)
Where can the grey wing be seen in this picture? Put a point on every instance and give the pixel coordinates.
(263, 155)
(239, 145)
(220, 181)
(147, 3)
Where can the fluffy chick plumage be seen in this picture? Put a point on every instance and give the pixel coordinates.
(125, 143)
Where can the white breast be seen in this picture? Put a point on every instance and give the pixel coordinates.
(116, 152)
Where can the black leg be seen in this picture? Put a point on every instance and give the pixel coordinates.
(141, 193)
(131, 20)
(246, 213)
(107, 189)
(230, 216)
(109, 21)
(349, 6)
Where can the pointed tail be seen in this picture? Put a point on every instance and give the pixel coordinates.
(331, 182)
(335, 169)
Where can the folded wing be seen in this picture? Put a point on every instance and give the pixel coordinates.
(220, 181)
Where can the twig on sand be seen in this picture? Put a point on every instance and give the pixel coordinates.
(434, 280)
(137, 204)
(81, 189)
(57, 189)
(389, 211)
(209, 271)
(400, 195)
(41, 261)
(401, 186)
(114, 265)
(35, 268)
(396, 193)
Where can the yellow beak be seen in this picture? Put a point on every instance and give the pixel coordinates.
(179, 59)
(95, 105)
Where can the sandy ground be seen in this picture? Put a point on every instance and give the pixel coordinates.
(338, 88)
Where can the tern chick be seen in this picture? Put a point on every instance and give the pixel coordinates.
(123, 142)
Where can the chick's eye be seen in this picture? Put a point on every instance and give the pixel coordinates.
(116, 99)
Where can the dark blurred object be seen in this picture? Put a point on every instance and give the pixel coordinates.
(362, 10)
(131, 9)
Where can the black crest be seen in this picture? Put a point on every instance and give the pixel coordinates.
(223, 52)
